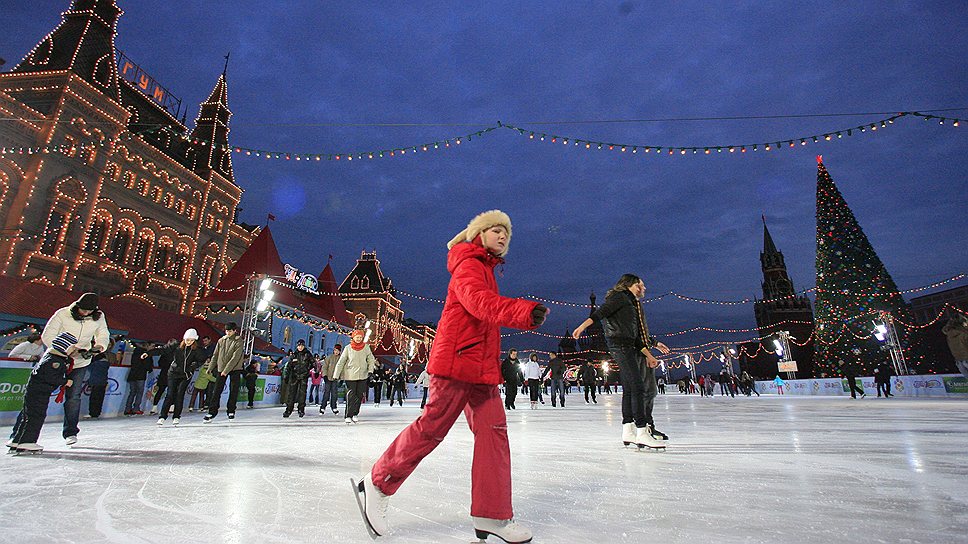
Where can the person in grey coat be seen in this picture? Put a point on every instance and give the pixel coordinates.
(354, 365)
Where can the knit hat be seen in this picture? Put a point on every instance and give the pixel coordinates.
(300, 342)
(88, 301)
(481, 223)
(62, 343)
(191, 334)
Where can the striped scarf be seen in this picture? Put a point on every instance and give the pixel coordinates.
(643, 328)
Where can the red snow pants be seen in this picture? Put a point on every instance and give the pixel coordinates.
(491, 466)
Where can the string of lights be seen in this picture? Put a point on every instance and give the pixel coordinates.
(578, 142)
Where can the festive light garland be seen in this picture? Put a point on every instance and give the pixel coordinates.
(582, 143)
(716, 149)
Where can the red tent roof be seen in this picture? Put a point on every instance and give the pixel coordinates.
(139, 320)
(262, 257)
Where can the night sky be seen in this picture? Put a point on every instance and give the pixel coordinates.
(304, 75)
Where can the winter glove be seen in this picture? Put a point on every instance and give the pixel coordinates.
(538, 315)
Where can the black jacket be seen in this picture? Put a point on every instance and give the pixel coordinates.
(187, 360)
(556, 368)
(139, 367)
(587, 374)
(166, 354)
(511, 371)
(297, 371)
(620, 320)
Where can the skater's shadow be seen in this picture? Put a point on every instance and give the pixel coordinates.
(168, 457)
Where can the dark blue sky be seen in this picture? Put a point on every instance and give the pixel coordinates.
(581, 218)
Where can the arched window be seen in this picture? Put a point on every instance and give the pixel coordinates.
(309, 344)
(52, 232)
(141, 252)
(95, 238)
(161, 259)
(119, 250)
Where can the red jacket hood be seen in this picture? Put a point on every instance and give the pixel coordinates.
(470, 250)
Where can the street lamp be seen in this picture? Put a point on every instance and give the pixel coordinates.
(884, 331)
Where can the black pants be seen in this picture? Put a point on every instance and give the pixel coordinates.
(590, 388)
(355, 389)
(42, 382)
(377, 392)
(398, 391)
(510, 393)
(234, 378)
(885, 387)
(638, 385)
(177, 385)
(297, 396)
(160, 386)
(853, 388)
(534, 387)
(424, 401)
(250, 387)
(96, 400)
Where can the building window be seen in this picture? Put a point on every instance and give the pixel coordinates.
(161, 260)
(141, 252)
(120, 248)
(181, 259)
(52, 232)
(95, 238)
(309, 344)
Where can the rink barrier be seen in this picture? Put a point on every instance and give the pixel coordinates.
(930, 385)
(14, 376)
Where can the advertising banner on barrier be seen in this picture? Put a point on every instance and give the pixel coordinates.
(15, 374)
(952, 385)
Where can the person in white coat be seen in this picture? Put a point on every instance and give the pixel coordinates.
(354, 365)
(532, 376)
(30, 350)
(424, 381)
(85, 321)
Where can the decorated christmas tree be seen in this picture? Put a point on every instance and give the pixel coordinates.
(854, 292)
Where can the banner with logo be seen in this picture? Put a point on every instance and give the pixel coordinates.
(948, 385)
(15, 374)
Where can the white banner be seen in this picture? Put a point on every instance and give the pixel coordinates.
(14, 376)
(932, 385)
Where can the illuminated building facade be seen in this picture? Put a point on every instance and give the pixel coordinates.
(102, 188)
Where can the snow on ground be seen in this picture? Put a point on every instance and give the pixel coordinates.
(768, 469)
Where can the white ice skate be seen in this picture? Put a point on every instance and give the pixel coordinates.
(507, 530)
(161, 421)
(356, 419)
(70, 440)
(348, 420)
(27, 447)
(154, 410)
(373, 505)
(645, 440)
(628, 433)
(175, 422)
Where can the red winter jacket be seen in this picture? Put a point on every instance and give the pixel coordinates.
(468, 342)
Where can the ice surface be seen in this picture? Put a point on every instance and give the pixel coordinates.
(770, 469)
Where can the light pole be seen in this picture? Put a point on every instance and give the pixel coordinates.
(886, 332)
(257, 297)
(782, 349)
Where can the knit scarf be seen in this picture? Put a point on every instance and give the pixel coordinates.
(357, 346)
(643, 330)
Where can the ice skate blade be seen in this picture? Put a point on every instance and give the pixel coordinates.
(482, 536)
(358, 489)
(644, 447)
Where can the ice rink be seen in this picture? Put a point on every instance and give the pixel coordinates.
(768, 469)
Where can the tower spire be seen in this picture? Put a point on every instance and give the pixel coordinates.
(82, 43)
(768, 246)
(211, 132)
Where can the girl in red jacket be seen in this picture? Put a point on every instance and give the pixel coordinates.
(465, 372)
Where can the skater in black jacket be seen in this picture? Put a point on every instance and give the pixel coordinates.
(48, 374)
(296, 378)
(513, 378)
(630, 345)
(587, 376)
(556, 370)
(165, 354)
(189, 356)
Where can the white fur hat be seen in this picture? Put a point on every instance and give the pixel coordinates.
(190, 334)
(481, 223)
